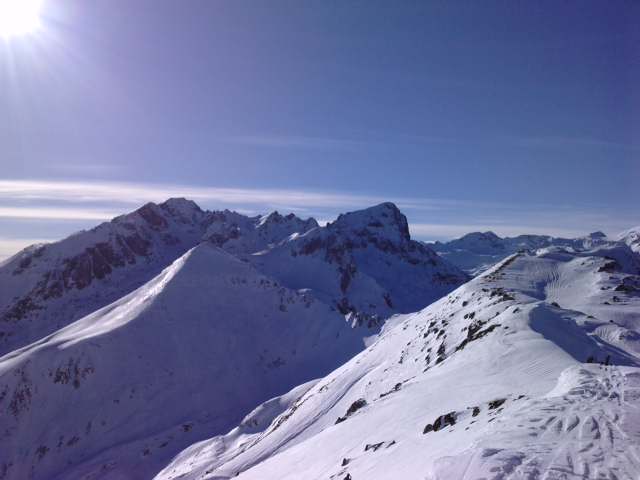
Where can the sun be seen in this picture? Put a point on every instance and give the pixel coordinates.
(19, 17)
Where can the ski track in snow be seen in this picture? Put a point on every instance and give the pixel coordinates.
(579, 434)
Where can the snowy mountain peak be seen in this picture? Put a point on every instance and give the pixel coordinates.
(597, 235)
(157, 215)
(188, 209)
(365, 263)
(632, 238)
(275, 218)
(488, 238)
(380, 221)
(488, 235)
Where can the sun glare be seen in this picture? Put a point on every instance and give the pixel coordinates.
(19, 17)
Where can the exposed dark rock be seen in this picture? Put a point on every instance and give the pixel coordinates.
(441, 422)
(355, 406)
(496, 403)
(373, 446)
(396, 387)
(610, 267)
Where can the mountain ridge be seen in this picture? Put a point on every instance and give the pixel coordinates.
(477, 251)
(530, 369)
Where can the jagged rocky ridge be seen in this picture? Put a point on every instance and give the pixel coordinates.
(381, 270)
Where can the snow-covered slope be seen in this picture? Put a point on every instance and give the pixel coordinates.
(46, 287)
(477, 251)
(529, 371)
(120, 391)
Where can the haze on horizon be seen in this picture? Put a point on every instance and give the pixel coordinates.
(519, 118)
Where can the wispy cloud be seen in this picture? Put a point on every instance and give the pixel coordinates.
(82, 204)
(383, 138)
(90, 192)
(9, 246)
(130, 193)
(79, 169)
(45, 213)
(325, 143)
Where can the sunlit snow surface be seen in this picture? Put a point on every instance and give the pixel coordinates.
(536, 361)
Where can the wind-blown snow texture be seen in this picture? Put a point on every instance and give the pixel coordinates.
(529, 371)
(245, 309)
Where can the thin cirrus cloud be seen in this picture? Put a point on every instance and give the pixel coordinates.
(24, 194)
(22, 191)
(323, 143)
(83, 204)
(278, 141)
(45, 213)
(9, 246)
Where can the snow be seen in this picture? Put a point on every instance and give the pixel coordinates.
(506, 350)
(366, 262)
(187, 348)
(44, 288)
(632, 238)
(192, 344)
(221, 329)
(477, 251)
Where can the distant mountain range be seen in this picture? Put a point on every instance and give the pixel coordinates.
(477, 251)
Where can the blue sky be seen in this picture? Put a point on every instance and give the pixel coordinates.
(512, 116)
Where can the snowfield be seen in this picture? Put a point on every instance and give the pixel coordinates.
(529, 371)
